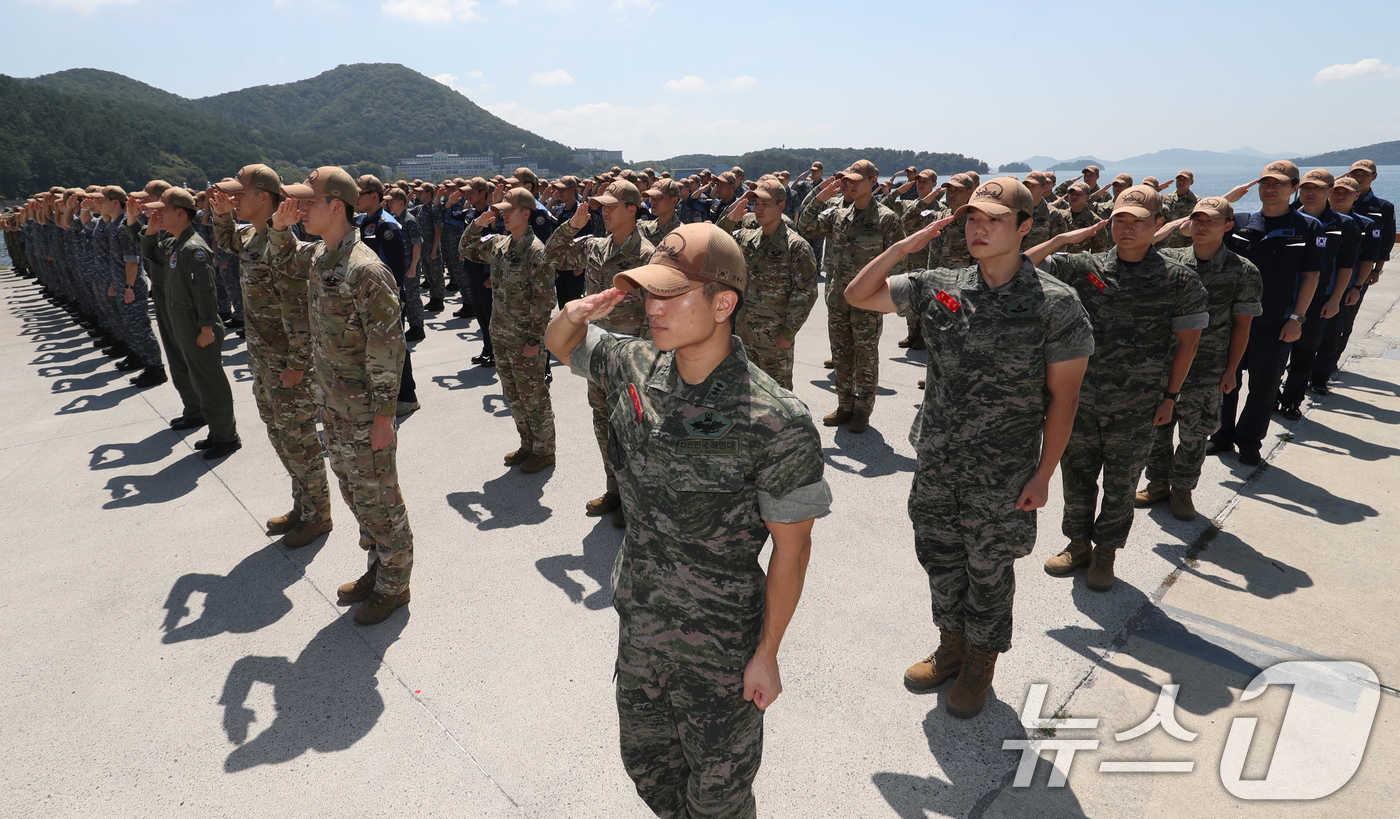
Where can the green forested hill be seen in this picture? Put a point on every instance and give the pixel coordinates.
(110, 85)
(796, 160)
(1382, 153)
(388, 111)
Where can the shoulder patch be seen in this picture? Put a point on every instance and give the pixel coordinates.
(201, 256)
(381, 304)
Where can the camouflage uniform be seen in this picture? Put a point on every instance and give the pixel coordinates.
(278, 333)
(522, 299)
(600, 260)
(652, 230)
(357, 351)
(782, 287)
(856, 237)
(1135, 314)
(1063, 220)
(412, 280)
(135, 317)
(430, 268)
(701, 468)
(1234, 288)
(1040, 226)
(191, 304)
(453, 225)
(978, 432)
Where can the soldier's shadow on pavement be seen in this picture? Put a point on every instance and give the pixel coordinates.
(829, 384)
(174, 480)
(327, 699)
(467, 379)
(95, 381)
(1124, 612)
(80, 367)
(155, 447)
(866, 455)
(495, 404)
(510, 500)
(600, 547)
(252, 595)
(66, 344)
(63, 356)
(237, 362)
(1281, 488)
(97, 401)
(1352, 380)
(1264, 577)
(1343, 403)
(1317, 435)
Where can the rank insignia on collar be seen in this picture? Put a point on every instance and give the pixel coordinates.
(1096, 281)
(709, 425)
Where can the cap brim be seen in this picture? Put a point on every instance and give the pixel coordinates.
(854, 177)
(157, 205)
(992, 209)
(659, 280)
(298, 191)
(652, 192)
(1282, 177)
(1139, 212)
(231, 186)
(603, 200)
(1313, 182)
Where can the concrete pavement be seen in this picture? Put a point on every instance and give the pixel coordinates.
(169, 658)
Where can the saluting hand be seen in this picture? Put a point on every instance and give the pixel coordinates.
(133, 210)
(1074, 237)
(1237, 193)
(486, 219)
(919, 239)
(828, 189)
(288, 214)
(594, 307)
(220, 202)
(737, 209)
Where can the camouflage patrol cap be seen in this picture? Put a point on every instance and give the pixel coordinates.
(525, 176)
(688, 258)
(619, 191)
(1123, 179)
(396, 193)
(174, 198)
(369, 183)
(771, 189)
(476, 183)
(1282, 170)
(1151, 180)
(1141, 201)
(1217, 208)
(1037, 177)
(328, 180)
(566, 183)
(1348, 183)
(114, 192)
(1364, 165)
(1191, 177)
(1090, 169)
(516, 198)
(729, 178)
(861, 169)
(665, 187)
(253, 177)
(1321, 177)
(1000, 197)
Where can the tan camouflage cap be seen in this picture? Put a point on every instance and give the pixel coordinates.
(1090, 169)
(1364, 165)
(1151, 180)
(174, 198)
(1217, 208)
(728, 178)
(1081, 187)
(369, 183)
(619, 191)
(115, 193)
(1139, 200)
(1123, 179)
(928, 175)
(688, 258)
(327, 180)
(1190, 177)
(861, 169)
(153, 190)
(771, 189)
(665, 187)
(253, 177)
(524, 176)
(1348, 183)
(1035, 176)
(1282, 170)
(964, 180)
(516, 198)
(1000, 197)
(1321, 177)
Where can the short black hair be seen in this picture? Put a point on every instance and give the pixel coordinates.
(189, 212)
(1021, 217)
(713, 288)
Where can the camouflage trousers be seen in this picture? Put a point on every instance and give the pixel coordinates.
(369, 483)
(413, 300)
(229, 285)
(1118, 447)
(968, 537)
(775, 361)
(136, 324)
(290, 416)
(690, 742)
(522, 381)
(855, 348)
(598, 401)
(916, 327)
(451, 237)
(1195, 419)
(431, 270)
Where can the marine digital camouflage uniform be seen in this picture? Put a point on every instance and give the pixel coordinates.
(357, 356)
(978, 432)
(1135, 314)
(1176, 206)
(278, 332)
(429, 219)
(1040, 226)
(600, 260)
(1234, 289)
(854, 238)
(522, 299)
(1063, 220)
(701, 469)
(781, 289)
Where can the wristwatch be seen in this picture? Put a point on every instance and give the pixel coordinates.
(1172, 396)
(1298, 318)
(532, 342)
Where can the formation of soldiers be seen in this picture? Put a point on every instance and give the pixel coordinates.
(1097, 330)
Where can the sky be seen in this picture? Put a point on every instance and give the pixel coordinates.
(1000, 81)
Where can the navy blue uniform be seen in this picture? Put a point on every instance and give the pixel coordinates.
(568, 284)
(1283, 248)
(477, 276)
(1342, 254)
(383, 234)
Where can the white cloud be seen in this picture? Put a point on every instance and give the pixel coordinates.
(556, 77)
(432, 11)
(689, 82)
(1371, 67)
(466, 89)
(476, 75)
(643, 6)
(739, 82)
(81, 6)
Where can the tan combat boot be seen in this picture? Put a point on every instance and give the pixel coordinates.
(536, 462)
(1101, 569)
(305, 532)
(969, 693)
(1182, 507)
(609, 502)
(284, 523)
(943, 663)
(379, 606)
(839, 417)
(1076, 554)
(829, 364)
(517, 457)
(860, 422)
(1155, 491)
(360, 589)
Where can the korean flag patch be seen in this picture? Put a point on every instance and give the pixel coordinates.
(1322, 241)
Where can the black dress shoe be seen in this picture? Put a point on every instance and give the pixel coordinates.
(1320, 389)
(1215, 448)
(129, 363)
(117, 350)
(202, 443)
(150, 377)
(233, 323)
(415, 334)
(184, 422)
(222, 450)
(1290, 411)
(434, 306)
(484, 360)
(450, 288)
(1250, 458)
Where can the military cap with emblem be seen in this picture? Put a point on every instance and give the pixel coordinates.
(690, 257)
(1283, 170)
(1000, 197)
(1141, 201)
(174, 198)
(1217, 208)
(328, 180)
(1321, 177)
(516, 198)
(253, 177)
(664, 187)
(619, 191)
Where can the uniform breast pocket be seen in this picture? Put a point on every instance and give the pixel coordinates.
(625, 438)
(707, 465)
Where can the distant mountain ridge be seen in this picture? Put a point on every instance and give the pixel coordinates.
(1381, 153)
(1183, 157)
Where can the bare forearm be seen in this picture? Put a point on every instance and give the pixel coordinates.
(1059, 421)
(1239, 340)
(1186, 344)
(873, 281)
(563, 335)
(787, 571)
